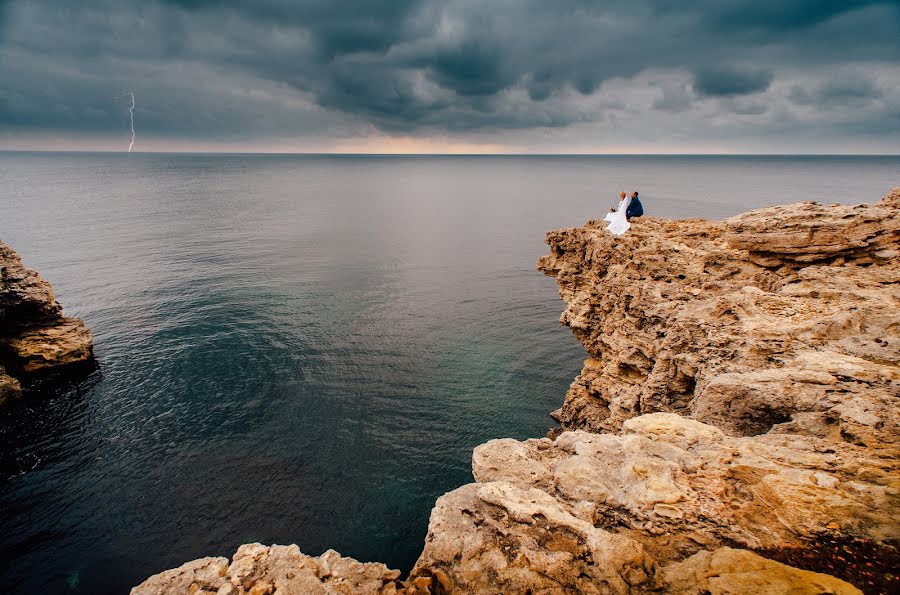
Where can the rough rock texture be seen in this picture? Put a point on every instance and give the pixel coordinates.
(278, 569)
(785, 319)
(602, 513)
(736, 571)
(34, 334)
(505, 537)
(9, 386)
(66, 342)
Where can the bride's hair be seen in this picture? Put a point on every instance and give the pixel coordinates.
(621, 195)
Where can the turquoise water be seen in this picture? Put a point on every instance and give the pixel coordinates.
(305, 349)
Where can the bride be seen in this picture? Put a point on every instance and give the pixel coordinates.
(618, 223)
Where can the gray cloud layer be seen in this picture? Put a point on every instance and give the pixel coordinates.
(237, 69)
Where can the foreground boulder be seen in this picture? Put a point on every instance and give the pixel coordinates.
(738, 571)
(607, 513)
(260, 570)
(34, 334)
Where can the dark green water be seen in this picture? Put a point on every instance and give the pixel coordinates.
(304, 349)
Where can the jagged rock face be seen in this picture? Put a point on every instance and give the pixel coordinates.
(278, 569)
(25, 298)
(34, 334)
(500, 537)
(784, 319)
(602, 513)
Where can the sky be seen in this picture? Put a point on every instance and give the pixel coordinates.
(452, 76)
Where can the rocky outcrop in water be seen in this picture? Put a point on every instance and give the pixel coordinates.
(260, 570)
(737, 411)
(34, 334)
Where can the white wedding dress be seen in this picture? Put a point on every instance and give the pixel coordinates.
(618, 223)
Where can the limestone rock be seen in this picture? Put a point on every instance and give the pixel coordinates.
(810, 232)
(498, 537)
(601, 513)
(274, 570)
(784, 319)
(206, 575)
(674, 483)
(25, 298)
(34, 334)
(66, 342)
(9, 386)
(727, 571)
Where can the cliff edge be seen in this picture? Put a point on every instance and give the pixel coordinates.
(783, 320)
(733, 429)
(34, 334)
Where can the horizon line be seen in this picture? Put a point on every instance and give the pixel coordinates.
(453, 154)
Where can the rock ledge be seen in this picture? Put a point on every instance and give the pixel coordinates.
(34, 334)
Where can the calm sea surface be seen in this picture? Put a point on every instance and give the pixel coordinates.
(305, 349)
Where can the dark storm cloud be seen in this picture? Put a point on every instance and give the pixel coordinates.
(850, 90)
(337, 26)
(776, 16)
(731, 81)
(205, 68)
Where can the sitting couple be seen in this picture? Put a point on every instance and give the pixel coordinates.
(619, 217)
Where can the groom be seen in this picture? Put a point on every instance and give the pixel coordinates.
(635, 208)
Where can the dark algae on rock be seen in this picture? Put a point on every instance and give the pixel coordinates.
(873, 567)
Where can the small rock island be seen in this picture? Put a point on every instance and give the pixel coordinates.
(734, 429)
(34, 335)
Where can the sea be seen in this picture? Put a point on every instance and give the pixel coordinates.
(306, 348)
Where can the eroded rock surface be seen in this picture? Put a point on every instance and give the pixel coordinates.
(278, 569)
(504, 537)
(604, 513)
(34, 334)
(727, 571)
(785, 319)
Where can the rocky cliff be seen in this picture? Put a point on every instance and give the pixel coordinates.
(733, 430)
(34, 334)
(779, 320)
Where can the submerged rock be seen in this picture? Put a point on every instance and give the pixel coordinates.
(34, 334)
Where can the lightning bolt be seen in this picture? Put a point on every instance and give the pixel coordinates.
(131, 117)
